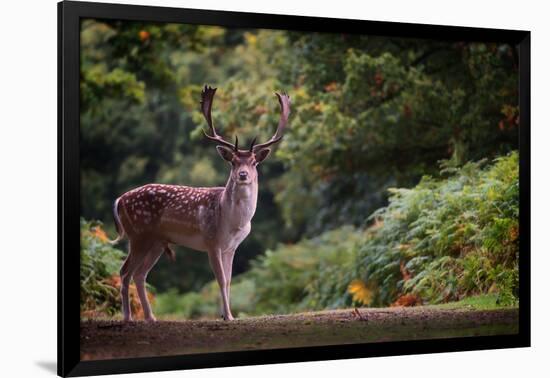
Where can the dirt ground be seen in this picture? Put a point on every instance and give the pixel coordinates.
(106, 339)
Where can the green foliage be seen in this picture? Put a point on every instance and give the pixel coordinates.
(191, 305)
(477, 302)
(456, 236)
(99, 261)
(295, 277)
(372, 112)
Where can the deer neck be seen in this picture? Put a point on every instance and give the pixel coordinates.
(239, 203)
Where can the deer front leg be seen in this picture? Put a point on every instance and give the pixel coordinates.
(227, 261)
(215, 258)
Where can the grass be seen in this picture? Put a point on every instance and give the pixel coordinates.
(478, 302)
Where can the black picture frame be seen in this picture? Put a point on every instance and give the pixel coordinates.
(69, 16)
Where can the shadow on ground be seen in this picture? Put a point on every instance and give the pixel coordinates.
(49, 366)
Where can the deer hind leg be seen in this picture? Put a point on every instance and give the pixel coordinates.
(125, 278)
(215, 258)
(136, 254)
(140, 277)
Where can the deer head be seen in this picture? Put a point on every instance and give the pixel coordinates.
(243, 162)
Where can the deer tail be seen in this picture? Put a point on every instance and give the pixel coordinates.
(118, 224)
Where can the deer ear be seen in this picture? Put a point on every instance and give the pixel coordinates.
(225, 152)
(262, 154)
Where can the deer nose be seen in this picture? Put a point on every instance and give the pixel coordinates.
(243, 175)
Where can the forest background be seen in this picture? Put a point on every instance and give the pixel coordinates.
(396, 182)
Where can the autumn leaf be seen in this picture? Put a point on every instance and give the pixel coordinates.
(331, 87)
(144, 35)
(407, 300)
(360, 292)
(100, 234)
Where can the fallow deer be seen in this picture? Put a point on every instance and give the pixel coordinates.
(214, 220)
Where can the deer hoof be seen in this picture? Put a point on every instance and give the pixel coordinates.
(151, 319)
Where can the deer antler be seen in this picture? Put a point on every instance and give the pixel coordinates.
(284, 102)
(207, 97)
(252, 144)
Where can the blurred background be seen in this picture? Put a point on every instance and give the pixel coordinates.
(396, 182)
